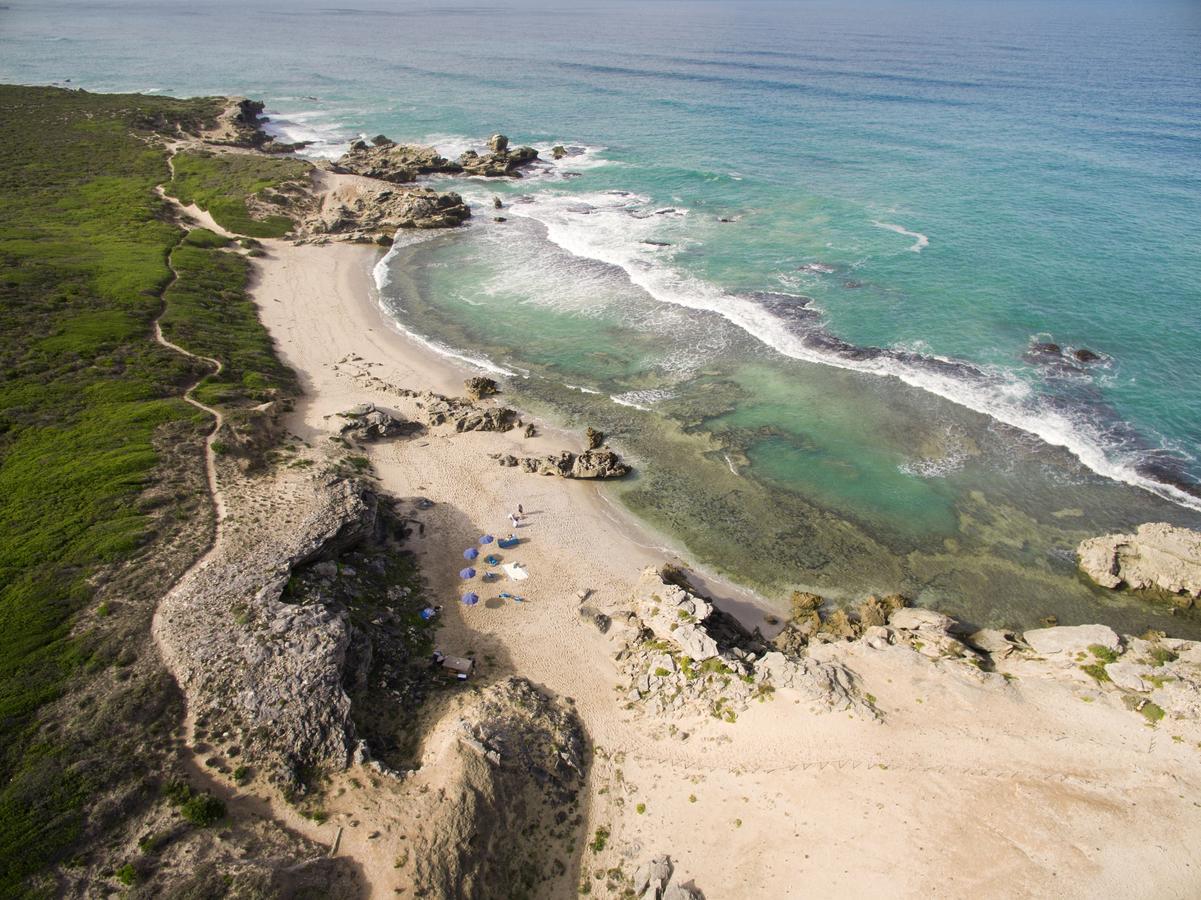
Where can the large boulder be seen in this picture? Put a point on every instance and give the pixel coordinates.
(1157, 555)
(1072, 639)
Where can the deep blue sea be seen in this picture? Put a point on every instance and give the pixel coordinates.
(800, 258)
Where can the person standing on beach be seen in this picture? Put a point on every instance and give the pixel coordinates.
(513, 519)
(520, 512)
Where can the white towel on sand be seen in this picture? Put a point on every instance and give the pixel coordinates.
(516, 571)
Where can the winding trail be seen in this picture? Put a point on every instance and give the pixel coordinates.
(210, 456)
(240, 802)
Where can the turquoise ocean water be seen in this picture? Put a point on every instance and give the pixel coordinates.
(796, 261)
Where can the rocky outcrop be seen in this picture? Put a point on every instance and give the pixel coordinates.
(513, 779)
(593, 438)
(375, 214)
(591, 464)
(683, 656)
(1158, 555)
(265, 673)
(367, 423)
(500, 161)
(465, 415)
(389, 161)
(241, 125)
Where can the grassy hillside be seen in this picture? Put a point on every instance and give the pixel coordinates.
(220, 184)
(96, 448)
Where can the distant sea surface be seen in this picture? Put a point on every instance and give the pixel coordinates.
(880, 296)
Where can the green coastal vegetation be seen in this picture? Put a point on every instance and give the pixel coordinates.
(221, 183)
(101, 490)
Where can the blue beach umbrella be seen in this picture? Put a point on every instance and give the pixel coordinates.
(467, 573)
(471, 599)
(470, 553)
(487, 539)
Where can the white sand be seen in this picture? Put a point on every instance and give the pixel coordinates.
(967, 788)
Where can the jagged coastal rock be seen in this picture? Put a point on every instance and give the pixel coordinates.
(1158, 555)
(480, 387)
(359, 210)
(500, 161)
(389, 161)
(589, 464)
(682, 656)
(367, 423)
(466, 415)
(402, 163)
(241, 125)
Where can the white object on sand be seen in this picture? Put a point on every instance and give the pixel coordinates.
(516, 571)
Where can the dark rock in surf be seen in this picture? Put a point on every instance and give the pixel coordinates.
(499, 162)
(1085, 355)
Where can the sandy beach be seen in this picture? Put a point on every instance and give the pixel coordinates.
(972, 783)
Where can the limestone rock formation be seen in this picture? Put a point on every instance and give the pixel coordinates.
(592, 464)
(465, 415)
(389, 161)
(354, 210)
(241, 125)
(1072, 639)
(267, 672)
(684, 656)
(1157, 555)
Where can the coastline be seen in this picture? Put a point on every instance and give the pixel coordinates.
(792, 800)
(359, 325)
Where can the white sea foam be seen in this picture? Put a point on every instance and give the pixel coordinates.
(920, 243)
(328, 138)
(612, 232)
(643, 400)
(580, 388)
